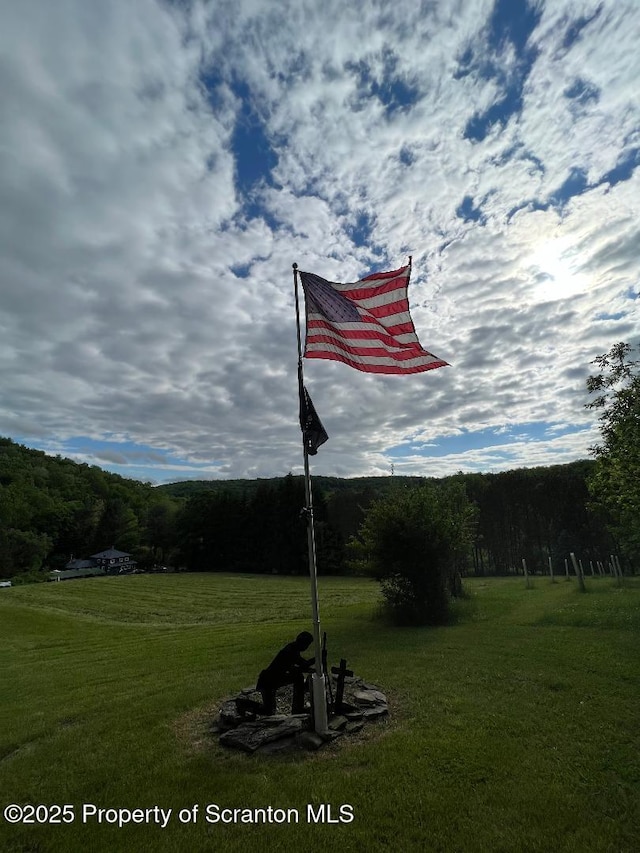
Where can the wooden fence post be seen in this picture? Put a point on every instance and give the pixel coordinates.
(617, 569)
(578, 572)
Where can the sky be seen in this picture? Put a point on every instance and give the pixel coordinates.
(163, 165)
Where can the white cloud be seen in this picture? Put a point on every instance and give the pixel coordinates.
(142, 296)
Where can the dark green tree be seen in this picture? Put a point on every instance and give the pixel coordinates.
(615, 485)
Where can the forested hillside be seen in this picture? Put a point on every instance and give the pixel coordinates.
(52, 508)
(534, 513)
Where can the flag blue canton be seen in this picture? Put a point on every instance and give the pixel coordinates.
(329, 302)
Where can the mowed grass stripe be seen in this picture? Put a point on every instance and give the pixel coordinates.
(192, 598)
(514, 729)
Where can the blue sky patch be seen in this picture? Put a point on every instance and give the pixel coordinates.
(212, 83)
(255, 158)
(407, 157)
(468, 212)
(582, 91)
(574, 185)
(391, 89)
(617, 316)
(482, 439)
(241, 270)
(395, 94)
(360, 230)
(624, 168)
(574, 30)
(511, 22)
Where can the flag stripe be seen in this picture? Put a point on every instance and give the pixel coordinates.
(403, 271)
(338, 331)
(365, 324)
(361, 329)
(356, 291)
(364, 348)
(397, 310)
(368, 285)
(384, 323)
(371, 301)
(380, 365)
(361, 339)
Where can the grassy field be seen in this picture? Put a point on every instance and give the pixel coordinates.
(515, 729)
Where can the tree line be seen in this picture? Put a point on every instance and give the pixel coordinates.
(52, 508)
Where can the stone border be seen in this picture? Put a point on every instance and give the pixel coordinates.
(249, 732)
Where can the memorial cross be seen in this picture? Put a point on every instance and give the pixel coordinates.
(342, 672)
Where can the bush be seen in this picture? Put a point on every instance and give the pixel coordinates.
(415, 541)
(32, 576)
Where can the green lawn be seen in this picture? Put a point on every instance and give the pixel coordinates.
(515, 729)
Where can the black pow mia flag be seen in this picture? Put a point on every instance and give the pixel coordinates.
(313, 433)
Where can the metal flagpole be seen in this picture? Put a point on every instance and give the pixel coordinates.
(317, 680)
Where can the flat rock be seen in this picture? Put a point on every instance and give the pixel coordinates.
(378, 711)
(252, 736)
(274, 720)
(369, 697)
(281, 745)
(310, 741)
(337, 723)
(353, 716)
(352, 728)
(229, 715)
(330, 735)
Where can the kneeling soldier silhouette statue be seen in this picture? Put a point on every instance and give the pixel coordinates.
(287, 667)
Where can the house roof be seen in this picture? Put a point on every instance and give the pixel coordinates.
(109, 554)
(89, 571)
(80, 564)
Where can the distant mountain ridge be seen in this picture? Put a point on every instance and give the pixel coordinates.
(188, 488)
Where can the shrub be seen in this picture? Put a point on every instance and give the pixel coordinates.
(415, 542)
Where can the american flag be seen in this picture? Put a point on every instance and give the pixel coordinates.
(365, 324)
